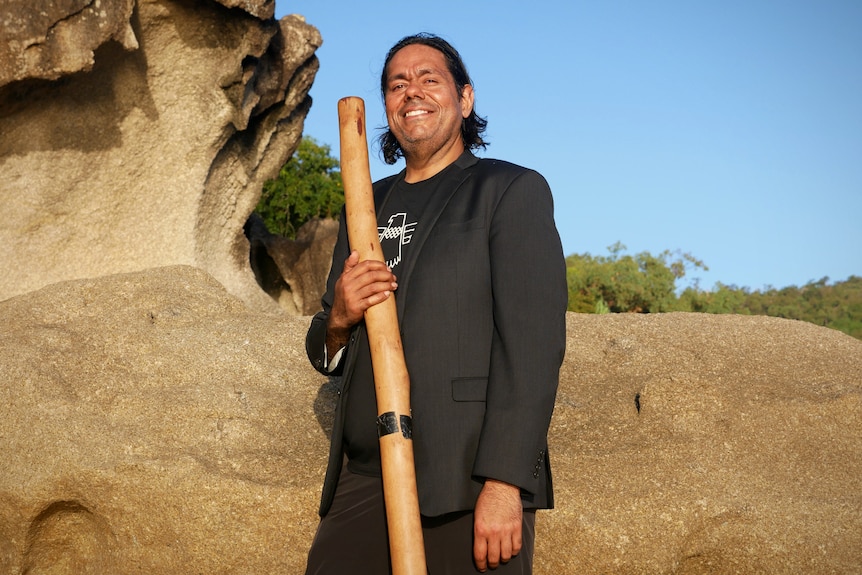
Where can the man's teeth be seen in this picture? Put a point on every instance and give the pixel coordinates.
(415, 113)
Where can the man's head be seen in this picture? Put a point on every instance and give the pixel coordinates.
(413, 56)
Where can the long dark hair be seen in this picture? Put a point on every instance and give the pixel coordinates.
(472, 127)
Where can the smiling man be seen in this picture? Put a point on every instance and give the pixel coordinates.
(477, 270)
(425, 109)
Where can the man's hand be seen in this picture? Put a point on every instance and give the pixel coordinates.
(497, 524)
(360, 286)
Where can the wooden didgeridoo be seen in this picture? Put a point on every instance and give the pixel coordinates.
(391, 380)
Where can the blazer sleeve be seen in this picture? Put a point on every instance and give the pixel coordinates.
(529, 304)
(315, 339)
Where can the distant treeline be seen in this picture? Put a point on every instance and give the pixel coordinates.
(644, 283)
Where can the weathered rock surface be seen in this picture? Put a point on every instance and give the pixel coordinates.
(152, 423)
(293, 271)
(138, 134)
(48, 39)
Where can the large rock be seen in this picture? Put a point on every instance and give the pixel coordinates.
(48, 39)
(152, 423)
(693, 443)
(293, 271)
(139, 134)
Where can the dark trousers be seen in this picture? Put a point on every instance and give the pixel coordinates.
(352, 538)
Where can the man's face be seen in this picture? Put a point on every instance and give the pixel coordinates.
(423, 106)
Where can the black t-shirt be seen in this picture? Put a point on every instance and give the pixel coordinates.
(400, 218)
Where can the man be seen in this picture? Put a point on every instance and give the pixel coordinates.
(481, 298)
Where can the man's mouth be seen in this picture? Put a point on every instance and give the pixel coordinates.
(412, 113)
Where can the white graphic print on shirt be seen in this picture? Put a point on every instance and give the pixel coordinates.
(396, 230)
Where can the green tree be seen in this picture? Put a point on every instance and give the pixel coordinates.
(724, 299)
(838, 306)
(619, 282)
(308, 186)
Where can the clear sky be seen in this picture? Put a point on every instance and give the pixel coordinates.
(729, 130)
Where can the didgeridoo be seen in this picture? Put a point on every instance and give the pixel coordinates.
(391, 380)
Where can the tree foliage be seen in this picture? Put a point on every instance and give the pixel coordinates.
(838, 305)
(644, 283)
(619, 282)
(308, 186)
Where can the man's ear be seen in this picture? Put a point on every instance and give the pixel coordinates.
(467, 98)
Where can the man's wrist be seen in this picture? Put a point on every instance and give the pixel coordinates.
(501, 486)
(336, 339)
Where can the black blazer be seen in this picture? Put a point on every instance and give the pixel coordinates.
(481, 305)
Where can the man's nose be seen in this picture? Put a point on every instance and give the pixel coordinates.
(414, 90)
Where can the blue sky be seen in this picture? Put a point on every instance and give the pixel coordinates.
(729, 130)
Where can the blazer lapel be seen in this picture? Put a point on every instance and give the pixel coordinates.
(448, 186)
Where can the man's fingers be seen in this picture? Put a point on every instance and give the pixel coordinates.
(350, 262)
(480, 553)
(353, 265)
(376, 297)
(360, 286)
(363, 284)
(374, 287)
(517, 543)
(491, 553)
(505, 550)
(494, 553)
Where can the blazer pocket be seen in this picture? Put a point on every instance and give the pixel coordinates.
(469, 388)
(447, 228)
